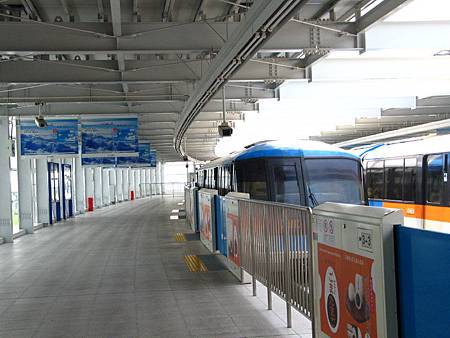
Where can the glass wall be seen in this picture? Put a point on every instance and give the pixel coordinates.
(175, 176)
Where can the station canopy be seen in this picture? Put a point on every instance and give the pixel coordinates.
(166, 61)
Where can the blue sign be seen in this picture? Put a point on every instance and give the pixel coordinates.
(99, 161)
(144, 154)
(127, 161)
(60, 137)
(109, 137)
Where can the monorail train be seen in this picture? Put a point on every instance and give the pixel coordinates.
(411, 175)
(304, 173)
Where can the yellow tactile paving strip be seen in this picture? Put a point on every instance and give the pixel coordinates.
(194, 263)
(179, 237)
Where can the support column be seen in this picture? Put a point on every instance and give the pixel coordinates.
(89, 183)
(25, 194)
(119, 185)
(153, 181)
(98, 187)
(6, 231)
(147, 182)
(126, 184)
(131, 182)
(112, 186)
(158, 179)
(106, 199)
(79, 186)
(43, 207)
(137, 182)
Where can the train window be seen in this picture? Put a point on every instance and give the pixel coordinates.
(286, 184)
(375, 179)
(335, 180)
(409, 180)
(393, 171)
(434, 178)
(251, 178)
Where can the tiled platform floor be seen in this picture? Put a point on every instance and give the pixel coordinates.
(119, 272)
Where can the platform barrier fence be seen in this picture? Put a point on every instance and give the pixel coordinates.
(275, 241)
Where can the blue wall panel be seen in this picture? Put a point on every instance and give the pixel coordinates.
(423, 282)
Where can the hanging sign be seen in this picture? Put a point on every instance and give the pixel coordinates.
(59, 137)
(109, 137)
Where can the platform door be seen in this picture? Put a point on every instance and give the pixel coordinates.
(67, 191)
(54, 192)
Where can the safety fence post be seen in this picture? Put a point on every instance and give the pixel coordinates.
(287, 270)
(252, 249)
(266, 229)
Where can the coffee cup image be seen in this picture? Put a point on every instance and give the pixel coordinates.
(356, 300)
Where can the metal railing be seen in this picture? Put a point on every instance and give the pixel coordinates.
(275, 241)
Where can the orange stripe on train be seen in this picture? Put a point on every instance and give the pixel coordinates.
(427, 212)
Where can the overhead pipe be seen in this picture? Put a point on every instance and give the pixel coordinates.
(274, 20)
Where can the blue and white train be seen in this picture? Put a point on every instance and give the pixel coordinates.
(304, 173)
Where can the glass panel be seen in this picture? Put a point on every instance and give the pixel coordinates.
(286, 184)
(394, 179)
(434, 178)
(409, 180)
(375, 179)
(251, 178)
(335, 180)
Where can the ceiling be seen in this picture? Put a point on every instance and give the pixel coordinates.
(427, 110)
(166, 61)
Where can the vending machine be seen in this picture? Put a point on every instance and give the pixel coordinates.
(353, 271)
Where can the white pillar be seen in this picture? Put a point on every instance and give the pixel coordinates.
(98, 187)
(131, 182)
(147, 181)
(126, 184)
(153, 181)
(42, 191)
(137, 182)
(112, 186)
(6, 231)
(25, 194)
(79, 186)
(106, 198)
(89, 182)
(119, 184)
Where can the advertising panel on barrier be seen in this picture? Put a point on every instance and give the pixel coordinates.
(109, 137)
(59, 137)
(354, 281)
(233, 233)
(206, 217)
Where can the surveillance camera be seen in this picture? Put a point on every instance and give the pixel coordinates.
(40, 122)
(185, 158)
(225, 129)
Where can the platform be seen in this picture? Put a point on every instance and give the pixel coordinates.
(122, 272)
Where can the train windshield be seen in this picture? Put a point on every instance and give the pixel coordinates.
(334, 180)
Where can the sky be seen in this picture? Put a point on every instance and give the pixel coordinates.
(347, 85)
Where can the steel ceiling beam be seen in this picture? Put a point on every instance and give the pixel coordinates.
(77, 93)
(136, 71)
(381, 11)
(154, 38)
(112, 108)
